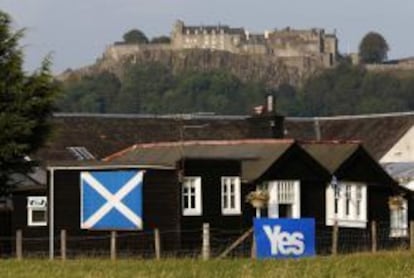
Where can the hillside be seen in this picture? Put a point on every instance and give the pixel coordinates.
(269, 70)
(161, 81)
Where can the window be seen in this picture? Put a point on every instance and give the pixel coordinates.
(399, 220)
(284, 199)
(230, 195)
(37, 211)
(191, 196)
(347, 205)
(348, 199)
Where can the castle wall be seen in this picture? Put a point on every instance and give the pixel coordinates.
(286, 43)
(389, 67)
(116, 52)
(206, 39)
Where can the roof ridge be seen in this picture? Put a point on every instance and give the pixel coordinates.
(190, 116)
(335, 141)
(197, 142)
(215, 142)
(348, 117)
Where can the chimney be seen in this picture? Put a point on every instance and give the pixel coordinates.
(265, 122)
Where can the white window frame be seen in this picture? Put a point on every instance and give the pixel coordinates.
(188, 183)
(399, 220)
(34, 204)
(277, 197)
(351, 199)
(229, 196)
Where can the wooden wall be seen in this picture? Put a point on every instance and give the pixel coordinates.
(211, 172)
(160, 210)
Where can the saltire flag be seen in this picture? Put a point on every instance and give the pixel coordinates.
(111, 200)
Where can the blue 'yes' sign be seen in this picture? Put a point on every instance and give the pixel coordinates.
(284, 237)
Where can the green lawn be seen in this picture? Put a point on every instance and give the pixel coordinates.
(387, 264)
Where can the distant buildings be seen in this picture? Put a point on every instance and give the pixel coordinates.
(283, 43)
(295, 47)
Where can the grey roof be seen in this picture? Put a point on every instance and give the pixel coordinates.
(377, 132)
(331, 155)
(400, 169)
(256, 155)
(104, 134)
(32, 180)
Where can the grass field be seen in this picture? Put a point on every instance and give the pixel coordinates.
(387, 264)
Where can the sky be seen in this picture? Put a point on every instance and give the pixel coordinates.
(76, 32)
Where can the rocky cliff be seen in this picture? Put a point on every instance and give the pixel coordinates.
(270, 70)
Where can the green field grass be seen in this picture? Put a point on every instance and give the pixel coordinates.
(386, 264)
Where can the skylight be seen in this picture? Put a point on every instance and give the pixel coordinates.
(81, 153)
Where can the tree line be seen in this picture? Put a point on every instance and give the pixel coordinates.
(153, 88)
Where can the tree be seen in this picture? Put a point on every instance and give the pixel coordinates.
(90, 93)
(161, 39)
(135, 36)
(26, 103)
(373, 48)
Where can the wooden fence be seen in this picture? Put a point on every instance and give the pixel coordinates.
(205, 244)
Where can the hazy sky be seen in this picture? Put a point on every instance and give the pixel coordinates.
(77, 31)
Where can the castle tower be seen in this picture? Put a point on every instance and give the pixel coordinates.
(177, 34)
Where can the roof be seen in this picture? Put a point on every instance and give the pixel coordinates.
(331, 155)
(378, 132)
(213, 28)
(400, 170)
(256, 155)
(103, 134)
(32, 180)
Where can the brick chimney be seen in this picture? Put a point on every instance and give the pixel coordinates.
(265, 122)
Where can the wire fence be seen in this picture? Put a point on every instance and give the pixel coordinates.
(205, 242)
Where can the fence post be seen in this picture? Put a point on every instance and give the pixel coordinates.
(19, 244)
(412, 235)
(157, 243)
(63, 244)
(253, 252)
(374, 236)
(113, 245)
(335, 238)
(206, 241)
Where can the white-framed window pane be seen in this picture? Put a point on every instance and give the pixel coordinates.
(284, 199)
(191, 196)
(230, 195)
(358, 201)
(346, 204)
(399, 221)
(348, 199)
(37, 211)
(39, 215)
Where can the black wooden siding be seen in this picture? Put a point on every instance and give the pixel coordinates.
(211, 172)
(160, 210)
(162, 204)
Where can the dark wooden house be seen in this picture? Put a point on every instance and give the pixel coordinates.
(358, 194)
(190, 183)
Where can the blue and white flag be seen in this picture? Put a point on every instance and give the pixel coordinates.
(111, 200)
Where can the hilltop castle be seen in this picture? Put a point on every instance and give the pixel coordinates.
(296, 48)
(285, 43)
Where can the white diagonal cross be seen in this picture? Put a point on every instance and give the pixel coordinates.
(113, 200)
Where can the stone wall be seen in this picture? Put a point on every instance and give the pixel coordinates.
(118, 51)
(285, 43)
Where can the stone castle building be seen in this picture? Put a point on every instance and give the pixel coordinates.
(295, 47)
(283, 43)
